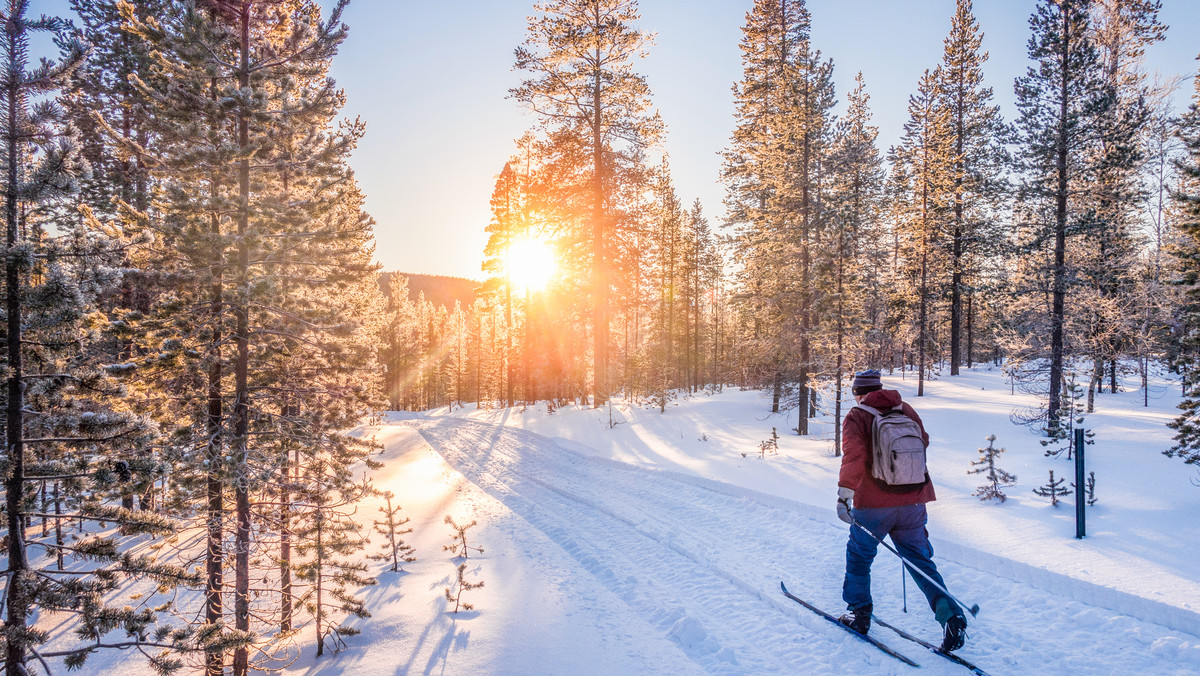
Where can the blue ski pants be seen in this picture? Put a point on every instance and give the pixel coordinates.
(906, 526)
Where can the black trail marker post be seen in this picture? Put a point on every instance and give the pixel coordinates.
(1080, 527)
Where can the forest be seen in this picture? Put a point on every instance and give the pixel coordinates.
(194, 318)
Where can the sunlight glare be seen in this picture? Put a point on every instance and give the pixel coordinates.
(530, 264)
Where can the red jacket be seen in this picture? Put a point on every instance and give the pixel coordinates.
(869, 492)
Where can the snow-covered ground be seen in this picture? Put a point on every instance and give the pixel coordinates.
(657, 546)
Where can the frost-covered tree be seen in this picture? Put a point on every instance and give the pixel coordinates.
(1053, 489)
(392, 529)
(459, 545)
(1060, 99)
(1122, 30)
(456, 596)
(505, 229)
(974, 137)
(774, 171)
(1187, 200)
(921, 172)
(328, 536)
(855, 193)
(1071, 416)
(66, 423)
(267, 336)
(595, 111)
(998, 479)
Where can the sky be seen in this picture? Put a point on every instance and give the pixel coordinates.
(431, 81)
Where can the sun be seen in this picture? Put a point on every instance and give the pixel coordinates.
(530, 264)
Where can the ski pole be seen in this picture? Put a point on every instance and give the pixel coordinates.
(973, 609)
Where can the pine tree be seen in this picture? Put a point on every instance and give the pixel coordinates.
(667, 270)
(328, 537)
(281, 264)
(1187, 199)
(595, 111)
(1122, 30)
(397, 341)
(1053, 489)
(855, 194)
(463, 586)
(1072, 414)
(59, 397)
(974, 134)
(505, 229)
(922, 165)
(998, 478)
(773, 171)
(103, 99)
(392, 528)
(1089, 489)
(459, 546)
(1060, 100)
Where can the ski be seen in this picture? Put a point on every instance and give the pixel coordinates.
(931, 647)
(833, 619)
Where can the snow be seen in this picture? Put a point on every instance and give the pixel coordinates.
(658, 545)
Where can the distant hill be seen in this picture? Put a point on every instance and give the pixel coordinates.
(438, 289)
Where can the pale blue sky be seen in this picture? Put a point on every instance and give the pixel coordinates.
(431, 79)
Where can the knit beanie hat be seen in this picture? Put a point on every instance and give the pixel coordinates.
(866, 381)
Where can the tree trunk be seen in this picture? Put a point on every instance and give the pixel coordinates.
(319, 555)
(241, 394)
(508, 343)
(599, 262)
(1058, 308)
(58, 533)
(215, 507)
(19, 589)
(959, 229)
(285, 544)
(970, 329)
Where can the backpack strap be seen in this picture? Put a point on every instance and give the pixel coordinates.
(873, 411)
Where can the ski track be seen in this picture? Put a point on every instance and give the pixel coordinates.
(703, 567)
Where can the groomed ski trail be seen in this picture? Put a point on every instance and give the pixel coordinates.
(702, 566)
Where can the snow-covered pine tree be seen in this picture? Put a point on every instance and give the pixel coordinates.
(855, 188)
(663, 374)
(1060, 99)
(1122, 29)
(327, 538)
(1072, 413)
(594, 110)
(280, 263)
(463, 585)
(1053, 489)
(392, 529)
(396, 353)
(701, 273)
(773, 176)
(998, 478)
(103, 98)
(186, 330)
(506, 226)
(975, 136)
(66, 421)
(459, 546)
(922, 173)
(1187, 200)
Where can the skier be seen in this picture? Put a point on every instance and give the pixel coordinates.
(886, 510)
